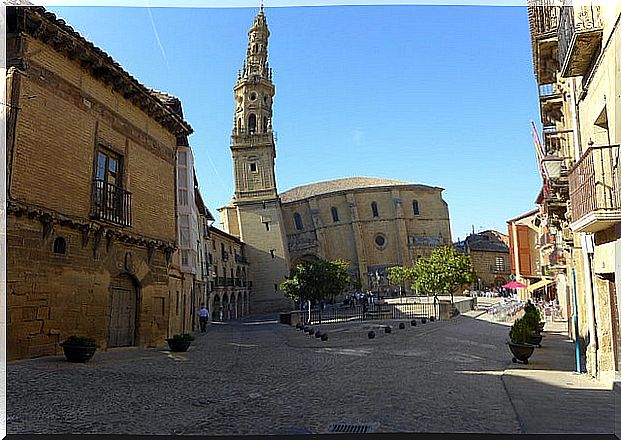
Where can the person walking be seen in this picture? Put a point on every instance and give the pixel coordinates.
(203, 317)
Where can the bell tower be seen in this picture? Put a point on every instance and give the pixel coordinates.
(252, 140)
(254, 214)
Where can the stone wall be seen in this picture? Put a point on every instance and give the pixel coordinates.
(64, 114)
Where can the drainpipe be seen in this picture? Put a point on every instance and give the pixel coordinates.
(575, 309)
(587, 250)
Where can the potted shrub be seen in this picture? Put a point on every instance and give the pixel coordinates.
(520, 334)
(180, 342)
(79, 348)
(532, 317)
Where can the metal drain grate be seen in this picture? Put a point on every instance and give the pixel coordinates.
(347, 428)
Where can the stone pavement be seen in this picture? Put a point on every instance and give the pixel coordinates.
(261, 377)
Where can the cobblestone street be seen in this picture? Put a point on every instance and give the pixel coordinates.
(260, 377)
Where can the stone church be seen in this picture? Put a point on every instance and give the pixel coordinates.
(373, 223)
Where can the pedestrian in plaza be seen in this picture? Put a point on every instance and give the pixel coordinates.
(221, 314)
(203, 317)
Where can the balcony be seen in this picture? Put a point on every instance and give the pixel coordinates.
(241, 259)
(111, 203)
(579, 38)
(543, 16)
(594, 189)
(558, 142)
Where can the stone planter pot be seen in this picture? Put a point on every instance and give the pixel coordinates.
(371, 334)
(178, 345)
(521, 352)
(535, 339)
(78, 353)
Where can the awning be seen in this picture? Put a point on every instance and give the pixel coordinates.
(539, 285)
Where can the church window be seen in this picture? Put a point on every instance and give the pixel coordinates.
(374, 209)
(264, 124)
(253, 167)
(253, 96)
(297, 218)
(60, 246)
(380, 240)
(252, 123)
(415, 207)
(335, 214)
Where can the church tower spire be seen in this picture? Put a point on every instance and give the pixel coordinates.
(252, 140)
(255, 214)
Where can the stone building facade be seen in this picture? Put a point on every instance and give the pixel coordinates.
(267, 222)
(576, 61)
(371, 223)
(231, 288)
(489, 253)
(91, 193)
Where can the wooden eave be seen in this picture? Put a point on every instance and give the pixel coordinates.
(47, 28)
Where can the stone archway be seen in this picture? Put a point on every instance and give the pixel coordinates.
(239, 301)
(222, 311)
(215, 310)
(306, 258)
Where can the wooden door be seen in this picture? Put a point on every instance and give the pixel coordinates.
(122, 327)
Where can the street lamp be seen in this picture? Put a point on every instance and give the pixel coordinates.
(552, 166)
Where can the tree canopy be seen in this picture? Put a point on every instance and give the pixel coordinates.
(316, 280)
(442, 272)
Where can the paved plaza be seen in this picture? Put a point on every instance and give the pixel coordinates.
(261, 377)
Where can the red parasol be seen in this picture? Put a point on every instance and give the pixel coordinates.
(514, 285)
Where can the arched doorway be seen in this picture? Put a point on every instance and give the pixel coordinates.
(239, 312)
(123, 316)
(222, 311)
(215, 310)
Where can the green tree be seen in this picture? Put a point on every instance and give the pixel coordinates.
(399, 275)
(443, 272)
(316, 280)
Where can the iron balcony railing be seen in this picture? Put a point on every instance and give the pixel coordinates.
(240, 259)
(111, 203)
(594, 182)
(579, 35)
(558, 142)
(543, 16)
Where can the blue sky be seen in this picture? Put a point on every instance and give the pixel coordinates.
(438, 95)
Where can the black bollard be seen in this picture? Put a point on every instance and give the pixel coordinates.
(401, 325)
(423, 320)
(432, 318)
(388, 329)
(371, 334)
(311, 331)
(324, 336)
(413, 322)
